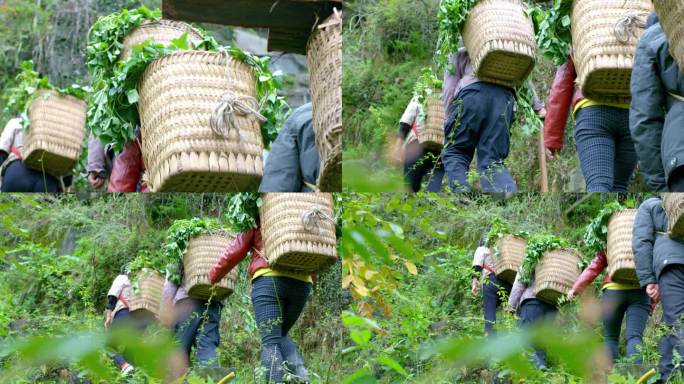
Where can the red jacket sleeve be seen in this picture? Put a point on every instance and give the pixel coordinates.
(597, 265)
(127, 169)
(558, 105)
(235, 252)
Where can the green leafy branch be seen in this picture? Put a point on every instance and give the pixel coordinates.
(537, 245)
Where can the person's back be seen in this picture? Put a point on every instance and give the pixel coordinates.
(293, 164)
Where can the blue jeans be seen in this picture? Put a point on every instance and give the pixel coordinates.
(532, 311)
(605, 148)
(278, 303)
(671, 286)
(479, 117)
(197, 324)
(631, 304)
(491, 300)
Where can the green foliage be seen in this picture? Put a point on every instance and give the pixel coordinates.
(552, 27)
(596, 231)
(177, 238)
(537, 245)
(451, 18)
(243, 210)
(29, 82)
(427, 86)
(113, 112)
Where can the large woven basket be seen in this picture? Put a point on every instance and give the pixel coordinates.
(148, 297)
(324, 54)
(555, 274)
(298, 231)
(202, 253)
(671, 13)
(431, 136)
(603, 51)
(621, 268)
(511, 253)
(499, 37)
(55, 137)
(163, 31)
(179, 95)
(674, 207)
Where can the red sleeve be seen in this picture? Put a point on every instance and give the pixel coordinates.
(597, 265)
(235, 252)
(558, 105)
(127, 169)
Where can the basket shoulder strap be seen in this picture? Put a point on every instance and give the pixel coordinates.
(676, 96)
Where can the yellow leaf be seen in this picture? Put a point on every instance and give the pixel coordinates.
(411, 267)
(359, 291)
(370, 274)
(346, 281)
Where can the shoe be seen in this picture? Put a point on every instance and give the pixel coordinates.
(126, 369)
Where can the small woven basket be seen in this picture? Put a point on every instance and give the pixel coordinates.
(324, 56)
(163, 31)
(179, 94)
(202, 253)
(604, 38)
(432, 135)
(671, 13)
(298, 231)
(148, 297)
(555, 274)
(511, 253)
(55, 137)
(674, 207)
(621, 268)
(499, 37)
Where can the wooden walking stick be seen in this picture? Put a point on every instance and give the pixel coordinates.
(542, 163)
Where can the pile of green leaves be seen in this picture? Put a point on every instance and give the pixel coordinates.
(529, 121)
(451, 18)
(427, 85)
(177, 238)
(596, 232)
(537, 245)
(29, 82)
(243, 210)
(147, 260)
(113, 111)
(552, 27)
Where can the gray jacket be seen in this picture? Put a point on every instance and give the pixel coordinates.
(653, 248)
(520, 292)
(656, 118)
(293, 160)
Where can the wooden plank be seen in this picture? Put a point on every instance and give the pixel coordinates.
(290, 21)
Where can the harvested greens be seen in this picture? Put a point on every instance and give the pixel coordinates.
(596, 232)
(178, 236)
(451, 17)
(19, 97)
(113, 113)
(428, 85)
(243, 209)
(537, 245)
(552, 27)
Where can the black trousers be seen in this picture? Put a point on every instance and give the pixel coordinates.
(671, 286)
(491, 299)
(18, 178)
(421, 163)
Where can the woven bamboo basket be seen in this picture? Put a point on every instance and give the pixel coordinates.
(674, 207)
(431, 136)
(202, 253)
(55, 137)
(163, 31)
(511, 253)
(671, 13)
(179, 96)
(148, 298)
(298, 231)
(555, 274)
(621, 268)
(499, 37)
(324, 56)
(603, 49)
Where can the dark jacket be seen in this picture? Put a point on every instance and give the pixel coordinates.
(653, 248)
(656, 118)
(236, 251)
(294, 159)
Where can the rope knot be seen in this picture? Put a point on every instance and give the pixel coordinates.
(628, 25)
(313, 218)
(223, 120)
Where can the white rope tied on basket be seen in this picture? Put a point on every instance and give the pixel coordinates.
(223, 120)
(313, 217)
(626, 26)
